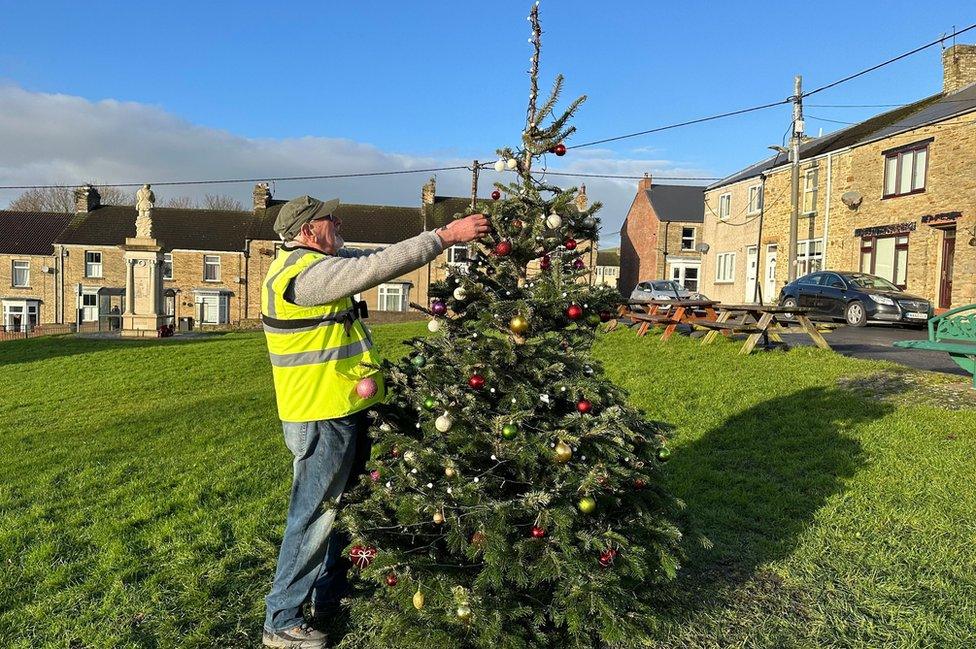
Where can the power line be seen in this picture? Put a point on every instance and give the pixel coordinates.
(622, 177)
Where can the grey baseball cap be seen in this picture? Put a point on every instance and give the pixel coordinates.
(299, 211)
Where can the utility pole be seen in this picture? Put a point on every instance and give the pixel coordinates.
(474, 183)
(795, 171)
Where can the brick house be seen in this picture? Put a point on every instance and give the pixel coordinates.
(28, 268)
(888, 196)
(660, 236)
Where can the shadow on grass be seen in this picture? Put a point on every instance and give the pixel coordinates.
(753, 484)
(29, 350)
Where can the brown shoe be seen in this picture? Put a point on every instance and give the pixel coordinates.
(299, 637)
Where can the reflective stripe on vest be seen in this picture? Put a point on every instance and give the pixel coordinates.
(318, 353)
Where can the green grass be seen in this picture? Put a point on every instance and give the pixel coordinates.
(145, 485)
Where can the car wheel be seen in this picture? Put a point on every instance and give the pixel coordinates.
(788, 302)
(855, 315)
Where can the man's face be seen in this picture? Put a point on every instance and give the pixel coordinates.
(324, 234)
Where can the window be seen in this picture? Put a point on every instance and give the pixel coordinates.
(904, 171)
(89, 306)
(457, 255)
(20, 274)
(813, 280)
(211, 268)
(212, 308)
(886, 257)
(755, 199)
(685, 275)
(725, 267)
(724, 206)
(810, 191)
(687, 238)
(168, 266)
(809, 256)
(93, 263)
(392, 297)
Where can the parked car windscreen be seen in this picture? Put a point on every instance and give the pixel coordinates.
(664, 286)
(871, 281)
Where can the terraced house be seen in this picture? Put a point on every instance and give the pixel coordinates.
(894, 196)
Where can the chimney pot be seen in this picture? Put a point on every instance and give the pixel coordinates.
(87, 199)
(262, 196)
(958, 67)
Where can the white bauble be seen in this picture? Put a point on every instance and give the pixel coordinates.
(460, 293)
(553, 221)
(434, 326)
(385, 427)
(409, 457)
(511, 163)
(500, 165)
(443, 423)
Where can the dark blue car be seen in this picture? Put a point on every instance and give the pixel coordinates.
(857, 298)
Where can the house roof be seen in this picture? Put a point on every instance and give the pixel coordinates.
(176, 228)
(905, 118)
(360, 223)
(30, 233)
(445, 208)
(678, 202)
(608, 257)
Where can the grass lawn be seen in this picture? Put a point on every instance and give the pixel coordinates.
(145, 485)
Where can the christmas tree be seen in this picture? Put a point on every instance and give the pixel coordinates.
(513, 498)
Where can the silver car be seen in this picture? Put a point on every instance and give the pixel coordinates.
(663, 289)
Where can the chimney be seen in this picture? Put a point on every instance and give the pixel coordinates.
(644, 183)
(262, 196)
(958, 67)
(87, 199)
(427, 197)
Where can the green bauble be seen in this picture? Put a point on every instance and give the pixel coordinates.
(509, 431)
(586, 505)
(430, 403)
(664, 454)
(419, 360)
(593, 319)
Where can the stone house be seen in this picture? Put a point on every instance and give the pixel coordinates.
(28, 268)
(607, 269)
(889, 196)
(661, 235)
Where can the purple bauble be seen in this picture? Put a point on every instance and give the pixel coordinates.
(438, 307)
(579, 264)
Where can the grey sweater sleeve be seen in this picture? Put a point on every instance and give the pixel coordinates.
(343, 275)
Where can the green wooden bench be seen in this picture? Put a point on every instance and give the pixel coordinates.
(953, 332)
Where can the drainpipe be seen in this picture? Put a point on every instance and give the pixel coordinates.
(830, 176)
(664, 266)
(247, 278)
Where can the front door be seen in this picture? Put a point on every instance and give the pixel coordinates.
(948, 257)
(769, 289)
(752, 263)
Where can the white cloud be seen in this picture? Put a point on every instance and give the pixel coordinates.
(62, 139)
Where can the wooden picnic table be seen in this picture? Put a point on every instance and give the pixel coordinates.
(768, 322)
(667, 313)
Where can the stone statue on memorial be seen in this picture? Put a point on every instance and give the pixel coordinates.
(144, 205)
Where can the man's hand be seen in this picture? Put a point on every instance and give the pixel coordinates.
(464, 230)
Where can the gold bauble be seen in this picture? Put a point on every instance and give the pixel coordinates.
(563, 452)
(518, 325)
(418, 600)
(438, 518)
(464, 612)
(450, 471)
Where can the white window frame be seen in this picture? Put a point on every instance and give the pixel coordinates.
(222, 307)
(89, 312)
(93, 268)
(452, 255)
(755, 199)
(679, 272)
(724, 268)
(807, 256)
(24, 267)
(694, 238)
(725, 206)
(208, 262)
(27, 310)
(168, 265)
(396, 290)
(810, 180)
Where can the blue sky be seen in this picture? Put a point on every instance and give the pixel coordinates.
(433, 81)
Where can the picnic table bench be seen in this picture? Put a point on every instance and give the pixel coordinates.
(669, 313)
(767, 322)
(953, 332)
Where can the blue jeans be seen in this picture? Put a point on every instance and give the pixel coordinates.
(328, 455)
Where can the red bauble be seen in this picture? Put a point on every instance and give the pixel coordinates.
(366, 388)
(605, 316)
(570, 244)
(559, 149)
(538, 532)
(495, 195)
(607, 557)
(639, 483)
(375, 475)
(395, 452)
(476, 381)
(517, 224)
(392, 580)
(503, 248)
(362, 555)
(574, 312)
(584, 406)
(545, 263)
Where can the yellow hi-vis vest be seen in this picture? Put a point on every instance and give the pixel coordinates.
(318, 353)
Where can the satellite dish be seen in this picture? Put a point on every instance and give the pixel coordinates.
(702, 248)
(852, 199)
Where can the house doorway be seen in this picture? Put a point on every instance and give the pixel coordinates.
(752, 266)
(769, 288)
(945, 276)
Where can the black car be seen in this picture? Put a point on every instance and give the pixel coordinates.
(855, 297)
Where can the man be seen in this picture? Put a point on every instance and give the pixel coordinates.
(320, 353)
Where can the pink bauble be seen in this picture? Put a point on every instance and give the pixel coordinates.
(366, 388)
(375, 475)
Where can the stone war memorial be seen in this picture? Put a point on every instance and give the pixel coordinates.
(143, 315)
